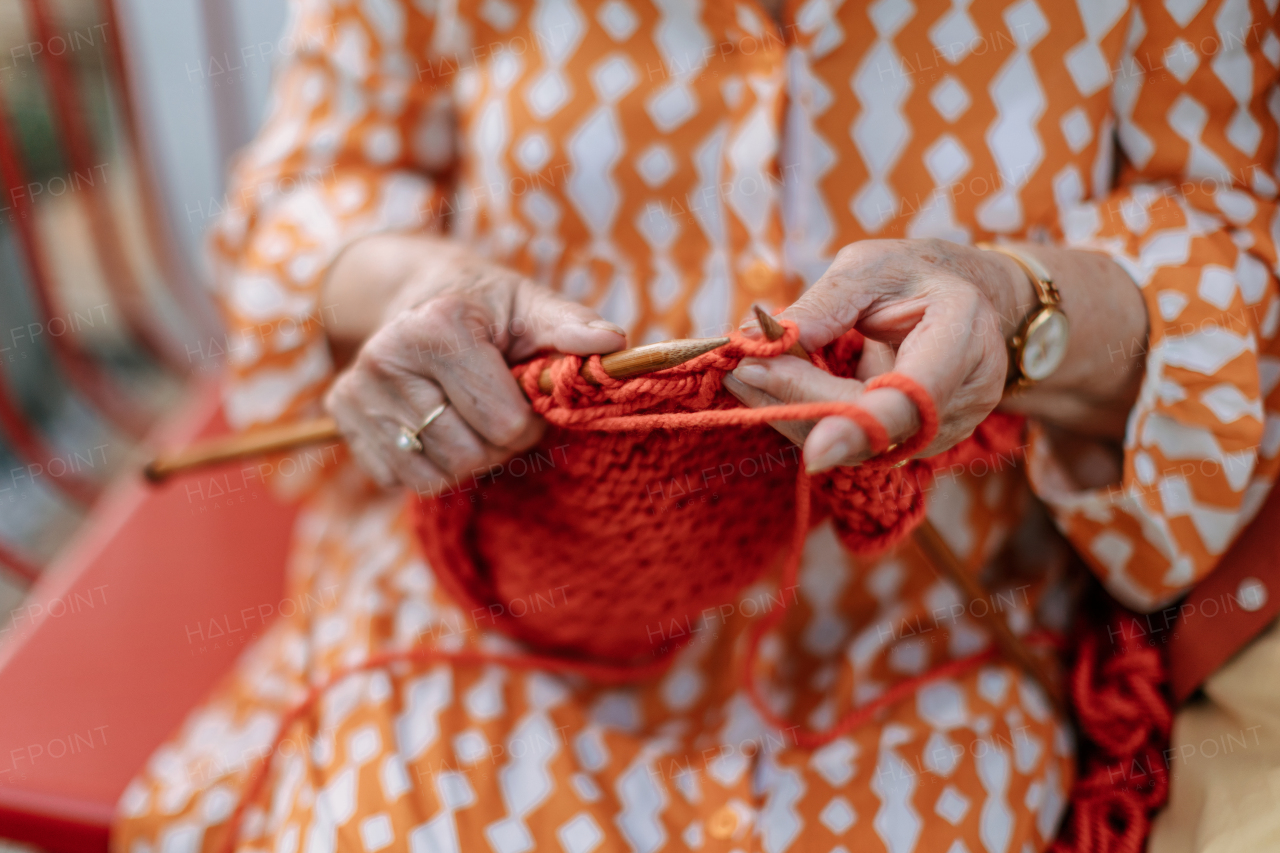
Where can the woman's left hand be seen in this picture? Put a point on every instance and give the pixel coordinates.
(941, 311)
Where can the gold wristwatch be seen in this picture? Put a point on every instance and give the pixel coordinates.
(1040, 344)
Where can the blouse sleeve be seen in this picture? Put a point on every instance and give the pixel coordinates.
(1193, 219)
(351, 146)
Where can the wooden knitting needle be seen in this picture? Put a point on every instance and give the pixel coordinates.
(245, 445)
(797, 431)
(641, 360)
(773, 330)
(619, 365)
(939, 554)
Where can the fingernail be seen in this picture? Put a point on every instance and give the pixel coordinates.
(750, 328)
(606, 326)
(829, 458)
(752, 374)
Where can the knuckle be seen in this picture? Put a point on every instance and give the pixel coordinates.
(382, 356)
(991, 393)
(860, 251)
(342, 401)
(848, 253)
(448, 327)
(932, 247)
(337, 395)
(430, 324)
(787, 385)
(470, 465)
(457, 461)
(825, 303)
(422, 477)
(532, 433)
(371, 463)
(506, 432)
(855, 255)
(450, 312)
(446, 305)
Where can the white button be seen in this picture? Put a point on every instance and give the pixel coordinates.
(1252, 594)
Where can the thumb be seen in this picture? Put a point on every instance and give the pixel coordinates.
(544, 320)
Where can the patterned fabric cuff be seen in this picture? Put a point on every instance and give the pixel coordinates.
(1191, 475)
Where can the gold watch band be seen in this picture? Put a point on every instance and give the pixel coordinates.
(1041, 278)
(1047, 294)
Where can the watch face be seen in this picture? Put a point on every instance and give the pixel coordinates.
(1046, 344)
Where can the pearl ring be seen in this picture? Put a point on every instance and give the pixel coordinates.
(408, 440)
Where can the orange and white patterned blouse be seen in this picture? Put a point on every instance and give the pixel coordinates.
(669, 162)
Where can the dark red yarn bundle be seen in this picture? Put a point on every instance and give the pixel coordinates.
(1118, 688)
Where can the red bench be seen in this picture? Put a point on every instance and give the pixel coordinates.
(126, 631)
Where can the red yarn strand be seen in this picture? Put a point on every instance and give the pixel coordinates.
(875, 505)
(808, 739)
(928, 414)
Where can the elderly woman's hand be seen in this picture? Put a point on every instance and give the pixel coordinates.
(941, 313)
(450, 325)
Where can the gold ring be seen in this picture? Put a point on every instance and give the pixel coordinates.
(408, 440)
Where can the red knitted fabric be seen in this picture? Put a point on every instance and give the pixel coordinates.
(639, 515)
(587, 525)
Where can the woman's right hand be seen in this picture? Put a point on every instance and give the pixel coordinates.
(448, 335)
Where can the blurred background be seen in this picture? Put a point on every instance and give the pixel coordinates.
(117, 120)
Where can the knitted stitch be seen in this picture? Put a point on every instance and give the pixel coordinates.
(640, 516)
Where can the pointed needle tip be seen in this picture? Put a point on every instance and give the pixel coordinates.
(773, 329)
